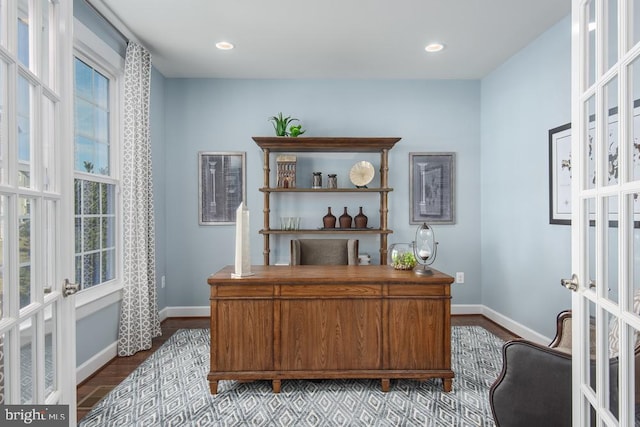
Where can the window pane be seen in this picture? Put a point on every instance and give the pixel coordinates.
(4, 138)
(92, 145)
(25, 234)
(611, 252)
(108, 198)
(91, 234)
(27, 361)
(91, 270)
(4, 362)
(611, 91)
(591, 141)
(108, 234)
(108, 265)
(50, 380)
(101, 90)
(634, 85)
(91, 197)
(83, 80)
(24, 132)
(84, 118)
(48, 145)
(95, 228)
(3, 250)
(634, 22)
(590, 11)
(46, 9)
(612, 33)
(23, 32)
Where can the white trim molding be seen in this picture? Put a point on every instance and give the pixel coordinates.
(507, 323)
(92, 365)
(190, 311)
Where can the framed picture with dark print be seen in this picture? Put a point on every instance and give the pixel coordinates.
(222, 186)
(432, 188)
(560, 173)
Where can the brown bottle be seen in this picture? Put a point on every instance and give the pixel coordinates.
(329, 221)
(361, 220)
(345, 219)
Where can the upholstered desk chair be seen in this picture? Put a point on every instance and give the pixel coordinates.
(324, 252)
(534, 387)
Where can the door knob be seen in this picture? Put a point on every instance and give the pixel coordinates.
(571, 284)
(69, 288)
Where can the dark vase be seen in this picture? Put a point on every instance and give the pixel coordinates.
(329, 221)
(361, 220)
(345, 219)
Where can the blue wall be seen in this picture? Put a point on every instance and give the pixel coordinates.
(523, 256)
(223, 115)
(498, 127)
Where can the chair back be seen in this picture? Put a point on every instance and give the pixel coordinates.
(324, 252)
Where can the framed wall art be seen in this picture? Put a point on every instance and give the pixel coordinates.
(560, 173)
(222, 186)
(432, 188)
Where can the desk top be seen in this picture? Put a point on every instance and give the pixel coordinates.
(327, 274)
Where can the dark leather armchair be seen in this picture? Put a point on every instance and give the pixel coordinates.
(324, 252)
(534, 387)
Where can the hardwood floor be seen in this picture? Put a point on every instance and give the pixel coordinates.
(102, 382)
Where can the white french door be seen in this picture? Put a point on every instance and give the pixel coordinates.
(37, 322)
(606, 210)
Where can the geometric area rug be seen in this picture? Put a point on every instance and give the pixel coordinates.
(170, 388)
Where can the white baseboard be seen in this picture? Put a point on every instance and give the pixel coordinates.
(515, 327)
(202, 311)
(87, 369)
(466, 308)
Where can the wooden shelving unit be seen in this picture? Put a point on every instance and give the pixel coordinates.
(277, 144)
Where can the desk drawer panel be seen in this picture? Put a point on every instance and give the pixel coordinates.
(244, 291)
(418, 290)
(333, 290)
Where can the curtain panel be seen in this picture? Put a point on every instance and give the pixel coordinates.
(139, 318)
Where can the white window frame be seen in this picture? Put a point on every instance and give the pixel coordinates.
(92, 50)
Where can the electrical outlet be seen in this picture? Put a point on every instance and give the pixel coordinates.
(162, 282)
(459, 277)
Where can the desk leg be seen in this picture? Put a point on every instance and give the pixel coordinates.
(213, 387)
(386, 384)
(447, 383)
(276, 386)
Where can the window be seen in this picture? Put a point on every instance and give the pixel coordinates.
(96, 184)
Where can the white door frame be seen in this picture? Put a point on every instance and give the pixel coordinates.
(49, 74)
(603, 253)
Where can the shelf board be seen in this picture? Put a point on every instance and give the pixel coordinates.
(329, 231)
(325, 190)
(325, 144)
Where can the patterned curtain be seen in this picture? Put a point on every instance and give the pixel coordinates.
(139, 318)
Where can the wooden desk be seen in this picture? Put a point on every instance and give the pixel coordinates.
(311, 322)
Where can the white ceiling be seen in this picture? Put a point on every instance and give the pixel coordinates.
(333, 38)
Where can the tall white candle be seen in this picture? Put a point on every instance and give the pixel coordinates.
(243, 253)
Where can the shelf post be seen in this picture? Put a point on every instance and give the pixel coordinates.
(266, 210)
(384, 207)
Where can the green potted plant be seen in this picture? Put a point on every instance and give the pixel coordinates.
(296, 130)
(280, 124)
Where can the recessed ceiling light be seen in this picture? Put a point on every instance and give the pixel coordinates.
(434, 47)
(224, 45)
